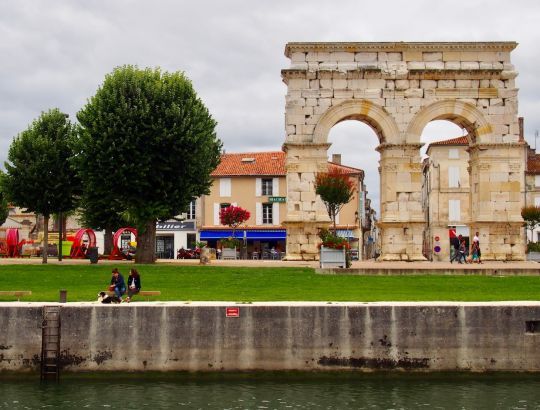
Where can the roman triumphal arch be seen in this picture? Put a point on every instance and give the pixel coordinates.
(397, 88)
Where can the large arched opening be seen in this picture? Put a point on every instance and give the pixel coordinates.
(353, 146)
(445, 188)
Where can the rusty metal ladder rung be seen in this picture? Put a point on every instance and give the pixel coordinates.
(50, 345)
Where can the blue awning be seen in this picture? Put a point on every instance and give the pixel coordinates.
(278, 234)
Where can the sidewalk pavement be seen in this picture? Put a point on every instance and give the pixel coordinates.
(356, 265)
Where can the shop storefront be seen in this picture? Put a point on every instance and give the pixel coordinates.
(259, 243)
(174, 235)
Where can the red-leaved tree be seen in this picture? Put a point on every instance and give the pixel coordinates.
(336, 189)
(233, 216)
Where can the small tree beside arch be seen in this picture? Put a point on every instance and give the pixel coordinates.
(336, 189)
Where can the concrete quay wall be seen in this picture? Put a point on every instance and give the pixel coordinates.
(278, 336)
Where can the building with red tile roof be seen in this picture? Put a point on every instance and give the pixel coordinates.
(257, 181)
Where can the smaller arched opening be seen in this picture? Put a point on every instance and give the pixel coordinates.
(365, 111)
(447, 129)
(462, 114)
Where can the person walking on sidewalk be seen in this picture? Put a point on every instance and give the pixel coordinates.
(476, 244)
(456, 242)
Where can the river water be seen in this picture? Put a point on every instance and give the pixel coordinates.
(276, 391)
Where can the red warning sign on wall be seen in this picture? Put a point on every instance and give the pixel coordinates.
(232, 312)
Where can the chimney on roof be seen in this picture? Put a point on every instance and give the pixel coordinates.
(336, 159)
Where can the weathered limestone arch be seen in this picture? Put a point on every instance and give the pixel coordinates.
(362, 110)
(461, 113)
(397, 88)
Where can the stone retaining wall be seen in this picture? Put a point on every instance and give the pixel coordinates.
(278, 336)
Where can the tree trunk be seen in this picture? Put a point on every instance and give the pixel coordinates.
(108, 241)
(45, 252)
(146, 244)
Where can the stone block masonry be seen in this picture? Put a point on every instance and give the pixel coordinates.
(303, 336)
(397, 89)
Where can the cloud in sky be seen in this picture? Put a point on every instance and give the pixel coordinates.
(56, 53)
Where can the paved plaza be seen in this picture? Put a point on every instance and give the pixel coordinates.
(358, 267)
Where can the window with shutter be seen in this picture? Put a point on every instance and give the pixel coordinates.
(225, 187)
(258, 186)
(275, 213)
(216, 213)
(267, 186)
(267, 214)
(453, 177)
(258, 213)
(454, 210)
(275, 186)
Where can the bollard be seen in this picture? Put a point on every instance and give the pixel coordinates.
(63, 296)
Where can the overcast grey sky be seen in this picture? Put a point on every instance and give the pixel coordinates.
(55, 53)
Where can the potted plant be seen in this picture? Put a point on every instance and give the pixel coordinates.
(204, 253)
(233, 216)
(333, 250)
(335, 189)
(229, 246)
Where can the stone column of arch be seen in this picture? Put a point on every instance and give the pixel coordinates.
(497, 173)
(397, 88)
(402, 221)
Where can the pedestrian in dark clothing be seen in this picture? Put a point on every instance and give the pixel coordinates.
(117, 284)
(134, 284)
(456, 242)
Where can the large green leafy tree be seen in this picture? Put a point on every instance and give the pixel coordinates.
(38, 175)
(147, 145)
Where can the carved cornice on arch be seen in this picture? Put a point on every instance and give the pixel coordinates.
(354, 47)
(365, 111)
(460, 113)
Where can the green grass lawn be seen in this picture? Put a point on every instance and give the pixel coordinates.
(204, 283)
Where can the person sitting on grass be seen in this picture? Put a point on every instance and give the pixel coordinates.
(117, 284)
(134, 284)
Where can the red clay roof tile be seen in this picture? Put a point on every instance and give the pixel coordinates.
(533, 162)
(270, 163)
(453, 141)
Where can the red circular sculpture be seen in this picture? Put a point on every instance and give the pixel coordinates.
(79, 247)
(12, 241)
(116, 253)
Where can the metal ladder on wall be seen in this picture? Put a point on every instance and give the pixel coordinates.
(50, 344)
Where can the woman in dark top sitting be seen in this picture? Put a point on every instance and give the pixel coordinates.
(134, 284)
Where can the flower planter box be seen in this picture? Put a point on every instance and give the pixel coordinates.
(332, 258)
(228, 253)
